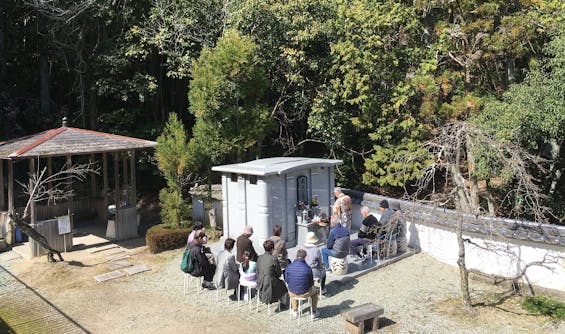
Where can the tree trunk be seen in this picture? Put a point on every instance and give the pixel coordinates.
(44, 95)
(473, 187)
(92, 109)
(38, 237)
(463, 273)
(2, 40)
(462, 200)
(490, 200)
(555, 167)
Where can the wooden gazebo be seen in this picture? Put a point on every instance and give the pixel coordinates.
(63, 143)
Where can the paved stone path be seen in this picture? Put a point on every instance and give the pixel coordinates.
(22, 310)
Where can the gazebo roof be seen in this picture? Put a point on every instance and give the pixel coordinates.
(65, 141)
(280, 165)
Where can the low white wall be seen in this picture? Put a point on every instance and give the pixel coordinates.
(505, 256)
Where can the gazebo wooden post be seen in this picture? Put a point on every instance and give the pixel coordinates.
(117, 192)
(2, 197)
(10, 232)
(133, 189)
(92, 177)
(117, 180)
(50, 171)
(70, 202)
(124, 157)
(32, 212)
(105, 185)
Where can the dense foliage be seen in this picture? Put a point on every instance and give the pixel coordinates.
(370, 82)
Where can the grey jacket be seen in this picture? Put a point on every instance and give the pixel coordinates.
(314, 260)
(226, 271)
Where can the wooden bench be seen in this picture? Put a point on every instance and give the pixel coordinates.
(356, 318)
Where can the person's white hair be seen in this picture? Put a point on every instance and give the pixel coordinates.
(365, 209)
(338, 190)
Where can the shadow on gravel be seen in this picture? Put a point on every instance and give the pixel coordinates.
(385, 322)
(335, 287)
(334, 310)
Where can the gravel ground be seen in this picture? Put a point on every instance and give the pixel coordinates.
(418, 294)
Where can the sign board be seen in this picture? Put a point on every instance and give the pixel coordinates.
(64, 224)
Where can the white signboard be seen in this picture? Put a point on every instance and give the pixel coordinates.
(64, 224)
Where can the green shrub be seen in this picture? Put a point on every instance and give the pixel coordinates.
(545, 306)
(161, 238)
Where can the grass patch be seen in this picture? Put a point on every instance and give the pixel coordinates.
(544, 305)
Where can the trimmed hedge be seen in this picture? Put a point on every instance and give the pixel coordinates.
(161, 238)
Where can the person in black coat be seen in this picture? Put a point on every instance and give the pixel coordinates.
(201, 266)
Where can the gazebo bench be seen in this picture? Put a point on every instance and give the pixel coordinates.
(356, 318)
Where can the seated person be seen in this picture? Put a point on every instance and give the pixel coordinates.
(197, 227)
(367, 232)
(314, 259)
(279, 251)
(201, 266)
(300, 280)
(227, 275)
(337, 245)
(247, 270)
(244, 243)
(269, 285)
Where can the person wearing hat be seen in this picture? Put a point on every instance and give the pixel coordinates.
(387, 233)
(245, 244)
(397, 219)
(314, 259)
(386, 212)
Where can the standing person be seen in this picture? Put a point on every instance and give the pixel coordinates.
(387, 233)
(270, 287)
(367, 232)
(279, 251)
(386, 212)
(197, 227)
(337, 245)
(245, 244)
(300, 280)
(201, 266)
(227, 274)
(341, 210)
(398, 220)
(314, 259)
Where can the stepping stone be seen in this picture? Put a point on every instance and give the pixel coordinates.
(113, 251)
(139, 268)
(103, 248)
(108, 276)
(119, 256)
(119, 265)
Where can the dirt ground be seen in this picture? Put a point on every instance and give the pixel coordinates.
(152, 302)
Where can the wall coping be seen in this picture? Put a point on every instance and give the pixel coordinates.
(492, 226)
